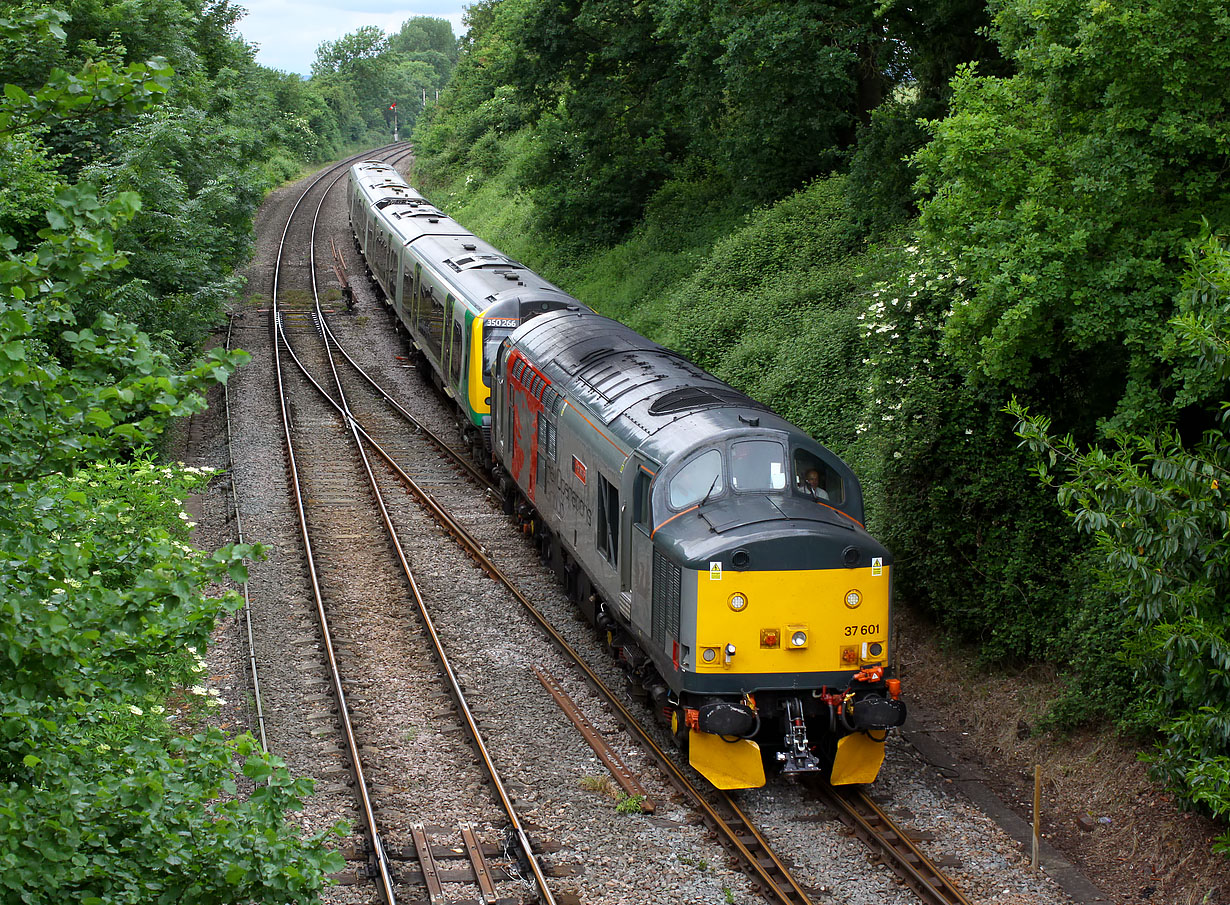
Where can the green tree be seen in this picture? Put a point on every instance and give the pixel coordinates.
(423, 34)
(1066, 192)
(366, 72)
(1155, 507)
(348, 53)
(99, 799)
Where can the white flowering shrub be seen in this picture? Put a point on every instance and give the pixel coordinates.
(975, 539)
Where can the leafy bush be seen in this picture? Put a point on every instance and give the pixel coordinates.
(1156, 510)
(1066, 192)
(108, 792)
(977, 542)
(101, 602)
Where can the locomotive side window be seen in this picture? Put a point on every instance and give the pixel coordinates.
(815, 479)
(608, 520)
(757, 465)
(642, 511)
(701, 477)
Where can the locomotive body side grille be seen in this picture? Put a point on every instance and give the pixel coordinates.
(667, 589)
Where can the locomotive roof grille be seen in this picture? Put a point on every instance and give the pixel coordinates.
(687, 399)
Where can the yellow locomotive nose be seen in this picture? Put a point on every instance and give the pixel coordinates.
(847, 625)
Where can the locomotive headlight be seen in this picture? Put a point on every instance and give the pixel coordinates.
(738, 602)
(709, 654)
(798, 638)
(853, 599)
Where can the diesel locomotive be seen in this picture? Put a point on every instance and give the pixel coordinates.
(718, 549)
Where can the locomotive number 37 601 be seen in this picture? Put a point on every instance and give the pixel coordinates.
(871, 629)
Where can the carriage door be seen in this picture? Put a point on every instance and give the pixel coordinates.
(457, 372)
(637, 577)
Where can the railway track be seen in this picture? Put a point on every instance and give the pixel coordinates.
(376, 419)
(328, 469)
(883, 836)
(721, 813)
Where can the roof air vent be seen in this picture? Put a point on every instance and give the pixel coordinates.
(469, 246)
(685, 399)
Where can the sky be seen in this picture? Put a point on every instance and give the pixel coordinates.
(288, 32)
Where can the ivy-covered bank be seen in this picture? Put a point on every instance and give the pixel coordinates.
(981, 216)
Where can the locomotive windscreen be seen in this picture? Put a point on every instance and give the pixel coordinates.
(492, 338)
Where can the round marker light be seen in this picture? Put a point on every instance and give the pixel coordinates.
(853, 599)
(738, 602)
(709, 654)
(875, 648)
(798, 639)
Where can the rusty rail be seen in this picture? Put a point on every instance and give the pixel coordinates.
(630, 784)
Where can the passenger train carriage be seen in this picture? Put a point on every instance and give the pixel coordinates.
(456, 295)
(719, 549)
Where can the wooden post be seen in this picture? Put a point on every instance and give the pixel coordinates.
(1037, 812)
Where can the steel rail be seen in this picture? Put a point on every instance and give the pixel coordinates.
(871, 824)
(382, 861)
(341, 405)
(784, 887)
(459, 458)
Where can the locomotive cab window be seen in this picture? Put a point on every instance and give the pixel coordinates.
(814, 479)
(757, 465)
(700, 478)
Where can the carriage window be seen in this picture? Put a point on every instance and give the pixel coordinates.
(814, 479)
(699, 478)
(757, 465)
(458, 352)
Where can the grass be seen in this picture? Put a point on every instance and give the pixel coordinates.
(601, 785)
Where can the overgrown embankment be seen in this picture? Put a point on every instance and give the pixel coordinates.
(1061, 168)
